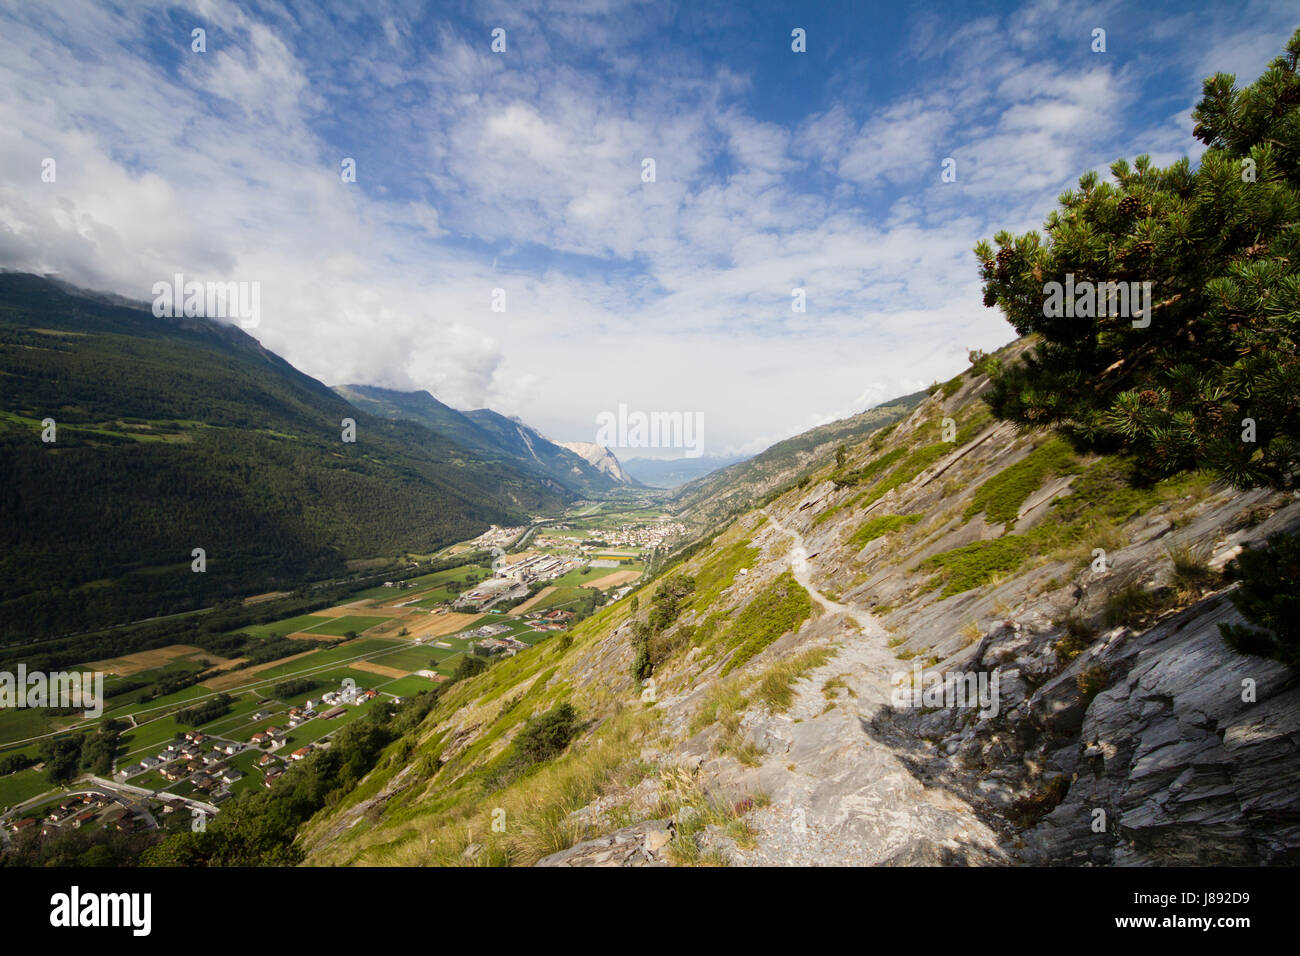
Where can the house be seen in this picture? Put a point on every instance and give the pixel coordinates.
(275, 732)
(148, 763)
(262, 715)
(23, 824)
(332, 713)
(300, 753)
(271, 777)
(195, 737)
(267, 761)
(114, 815)
(260, 737)
(231, 775)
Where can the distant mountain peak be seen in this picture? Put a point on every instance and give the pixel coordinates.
(601, 457)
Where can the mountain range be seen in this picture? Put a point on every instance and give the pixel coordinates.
(127, 441)
(581, 468)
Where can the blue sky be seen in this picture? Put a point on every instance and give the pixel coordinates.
(522, 171)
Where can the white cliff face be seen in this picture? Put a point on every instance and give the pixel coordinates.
(599, 456)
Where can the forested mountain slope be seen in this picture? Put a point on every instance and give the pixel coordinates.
(176, 434)
(487, 433)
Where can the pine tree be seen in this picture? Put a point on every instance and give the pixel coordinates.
(1212, 381)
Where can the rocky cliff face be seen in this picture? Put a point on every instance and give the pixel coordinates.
(793, 716)
(601, 458)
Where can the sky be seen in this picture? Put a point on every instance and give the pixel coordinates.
(524, 170)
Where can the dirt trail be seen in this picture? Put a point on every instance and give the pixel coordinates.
(838, 796)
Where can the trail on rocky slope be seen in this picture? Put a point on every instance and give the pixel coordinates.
(839, 797)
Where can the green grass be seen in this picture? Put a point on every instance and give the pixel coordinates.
(776, 687)
(341, 625)
(975, 564)
(283, 628)
(780, 607)
(23, 785)
(406, 686)
(1001, 496)
(876, 527)
(411, 658)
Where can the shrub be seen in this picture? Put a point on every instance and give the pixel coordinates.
(1130, 606)
(1029, 810)
(1192, 574)
(1091, 681)
(1078, 635)
(1269, 596)
(546, 736)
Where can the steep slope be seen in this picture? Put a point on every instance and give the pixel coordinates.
(779, 724)
(176, 434)
(489, 434)
(719, 495)
(528, 443)
(422, 408)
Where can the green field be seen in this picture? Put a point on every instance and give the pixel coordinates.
(23, 785)
(283, 628)
(407, 686)
(340, 626)
(411, 658)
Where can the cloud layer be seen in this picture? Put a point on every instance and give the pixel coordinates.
(523, 171)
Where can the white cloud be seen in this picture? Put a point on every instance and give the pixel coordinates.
(479, 171)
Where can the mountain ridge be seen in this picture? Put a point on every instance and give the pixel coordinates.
(175, 430)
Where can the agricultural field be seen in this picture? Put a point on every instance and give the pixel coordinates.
(382, 658)
(339, 626)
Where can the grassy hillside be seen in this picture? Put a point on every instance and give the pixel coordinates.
(181, 434)
(726, 697)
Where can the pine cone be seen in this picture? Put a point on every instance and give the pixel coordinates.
(1149, 397)
(1144, 248)
(990, 298)
(1129, 205)
(1258, 249)
(1005, 255)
